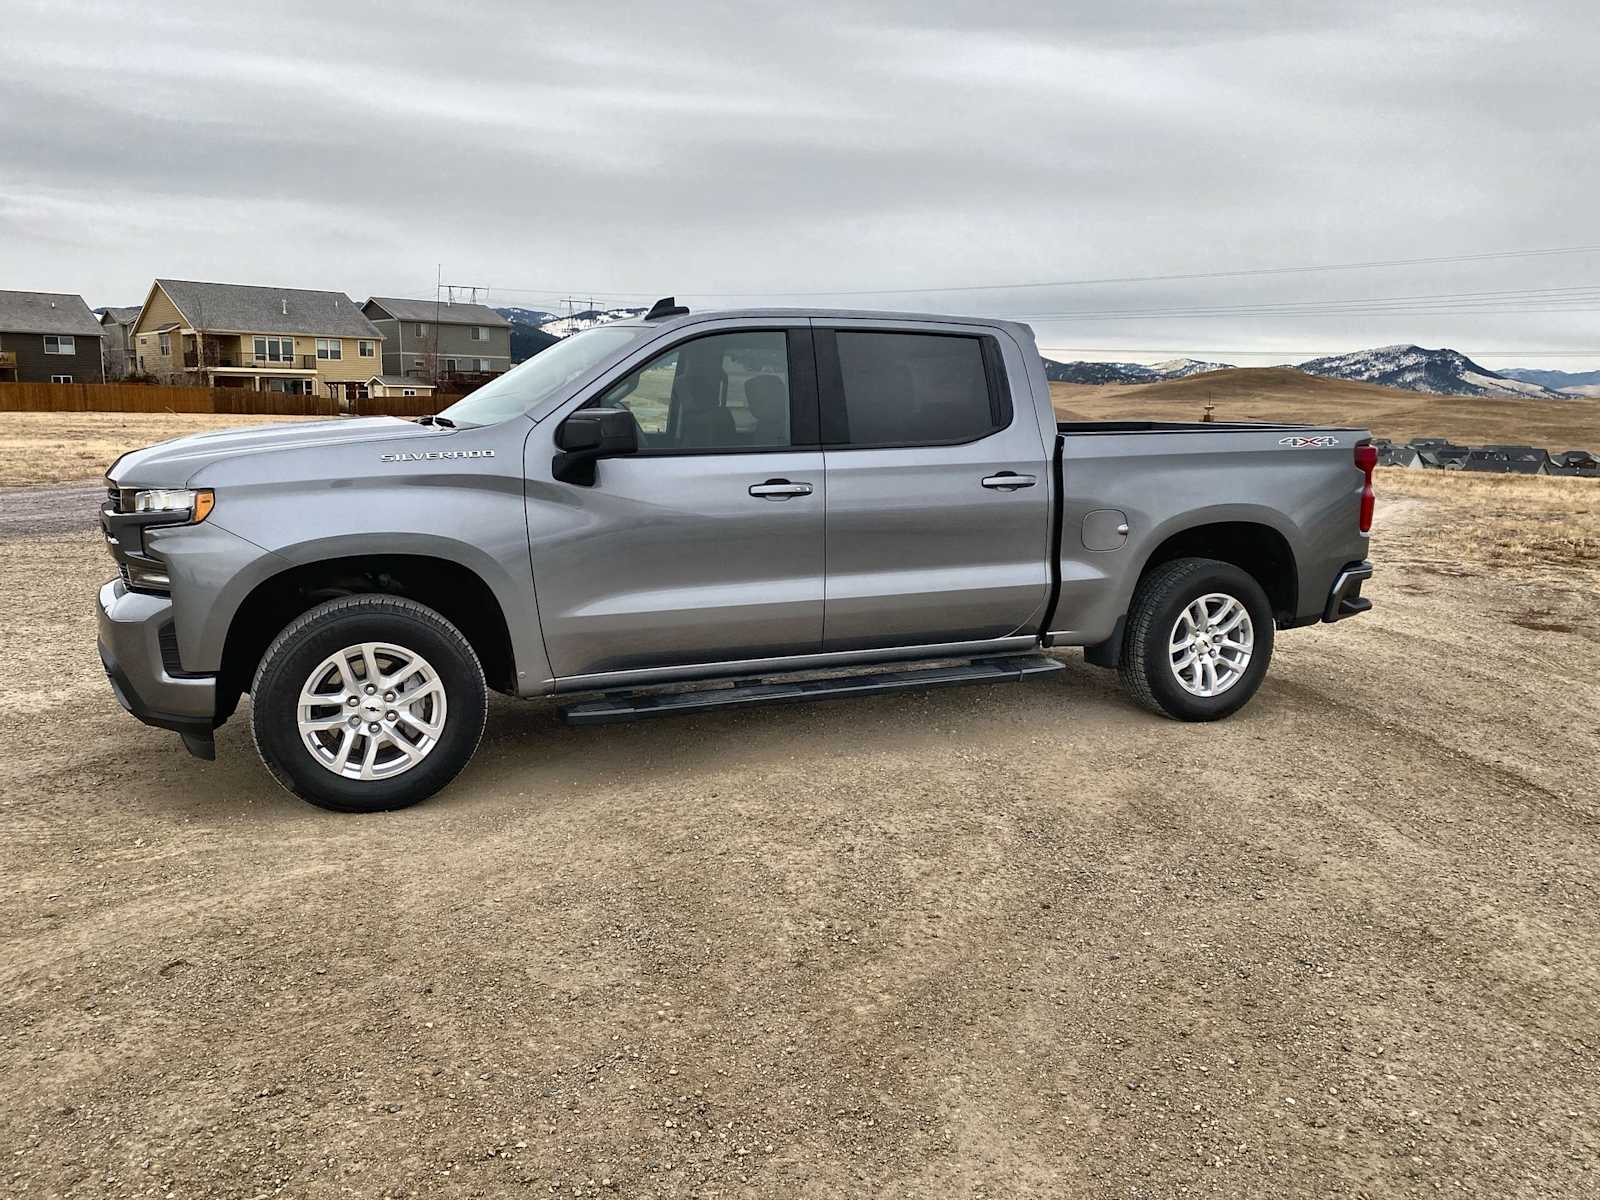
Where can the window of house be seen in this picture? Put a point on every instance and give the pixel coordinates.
(274, 349)
(166, 343)
(907, 389)
(480, 334)
(60, 343)
(330, 348)
(484, 365)
(421, 330)
(365, 348)
(61, 379)
(449, 366)
(408, 391)
(729, 391)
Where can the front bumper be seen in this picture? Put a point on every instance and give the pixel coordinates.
(130, 644)
(1345, 598)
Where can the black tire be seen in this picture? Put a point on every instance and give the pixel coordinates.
(324, 631)
(1146, 668)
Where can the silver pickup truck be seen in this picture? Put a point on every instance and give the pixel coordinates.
(793, 504)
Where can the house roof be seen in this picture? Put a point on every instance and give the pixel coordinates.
(122, 316)
(389, 381)
(46, 312)
(245, 308)
(439, 313)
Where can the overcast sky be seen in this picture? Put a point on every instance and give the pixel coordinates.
(701, 148)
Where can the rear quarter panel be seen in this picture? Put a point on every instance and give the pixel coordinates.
(1168, 482)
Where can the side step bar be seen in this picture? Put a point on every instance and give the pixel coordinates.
(632, 706)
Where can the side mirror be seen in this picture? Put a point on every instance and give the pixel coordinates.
(589, 435)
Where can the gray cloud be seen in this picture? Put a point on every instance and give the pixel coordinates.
(708, 147)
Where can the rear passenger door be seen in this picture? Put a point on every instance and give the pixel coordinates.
(938, 497)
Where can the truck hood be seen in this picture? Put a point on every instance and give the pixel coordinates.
(173, 462)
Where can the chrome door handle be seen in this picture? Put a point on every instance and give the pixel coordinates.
(779, 489)
(1008, 481)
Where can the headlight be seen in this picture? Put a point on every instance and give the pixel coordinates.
(197, 504)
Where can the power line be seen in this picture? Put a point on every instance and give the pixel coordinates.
(1240, 273)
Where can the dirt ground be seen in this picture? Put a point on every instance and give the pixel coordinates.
(1013, 941)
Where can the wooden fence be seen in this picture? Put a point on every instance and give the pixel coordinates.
(400, 406)
(145, 398)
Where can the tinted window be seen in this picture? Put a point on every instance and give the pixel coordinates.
(913, 388)
(729, 391)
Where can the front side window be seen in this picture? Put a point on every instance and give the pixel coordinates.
(909, 389)
(330, 348)
(729, 391)
(60, 343)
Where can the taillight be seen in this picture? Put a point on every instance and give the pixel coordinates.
(1366, 460)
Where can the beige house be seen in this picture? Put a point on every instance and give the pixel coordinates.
(398, 385)
(263, 338)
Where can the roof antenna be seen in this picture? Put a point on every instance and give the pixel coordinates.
(667, 306)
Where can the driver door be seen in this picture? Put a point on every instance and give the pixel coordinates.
(706, 546)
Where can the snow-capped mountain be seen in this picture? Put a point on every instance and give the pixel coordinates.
(579, 321)
(1103, 372)
(526, 316)
(1443, 372)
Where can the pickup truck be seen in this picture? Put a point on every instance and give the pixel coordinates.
(793, 504)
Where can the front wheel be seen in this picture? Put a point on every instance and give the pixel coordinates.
(1198, 640)
(368, 703)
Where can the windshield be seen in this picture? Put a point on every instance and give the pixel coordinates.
(542, 376)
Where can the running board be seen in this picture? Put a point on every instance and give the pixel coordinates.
(632, 706)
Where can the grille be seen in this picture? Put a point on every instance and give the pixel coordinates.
(119, 500)
(122, 569)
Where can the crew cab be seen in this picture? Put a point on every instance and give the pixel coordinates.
(696, 510)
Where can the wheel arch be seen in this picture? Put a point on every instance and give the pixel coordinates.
(450, 588)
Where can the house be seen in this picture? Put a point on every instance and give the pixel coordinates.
(1441, 455)
(1507, 460)
(435, 339)
(1400, 456)
(49, 337)
(116, 340)
(398, 385)
(1574, 462)
(266, 339)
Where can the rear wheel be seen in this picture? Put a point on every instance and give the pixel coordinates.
(368, 703)
(1198, 640)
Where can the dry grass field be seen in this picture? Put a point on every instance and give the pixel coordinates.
(1025, 941)
(1282, 394)
(45, 447)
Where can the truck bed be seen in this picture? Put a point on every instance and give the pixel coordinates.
(1132, 492)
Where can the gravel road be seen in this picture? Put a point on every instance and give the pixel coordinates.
(1018, 941)
(54, 509)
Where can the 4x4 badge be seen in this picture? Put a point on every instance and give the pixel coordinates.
(1319, 440)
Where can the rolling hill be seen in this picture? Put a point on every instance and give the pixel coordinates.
(1288, 394)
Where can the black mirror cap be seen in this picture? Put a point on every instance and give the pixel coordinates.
(602, 432)
(589, 435)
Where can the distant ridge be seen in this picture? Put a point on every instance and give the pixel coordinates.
(1442, 372)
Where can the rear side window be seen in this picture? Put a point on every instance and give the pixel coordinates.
(909, 389)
